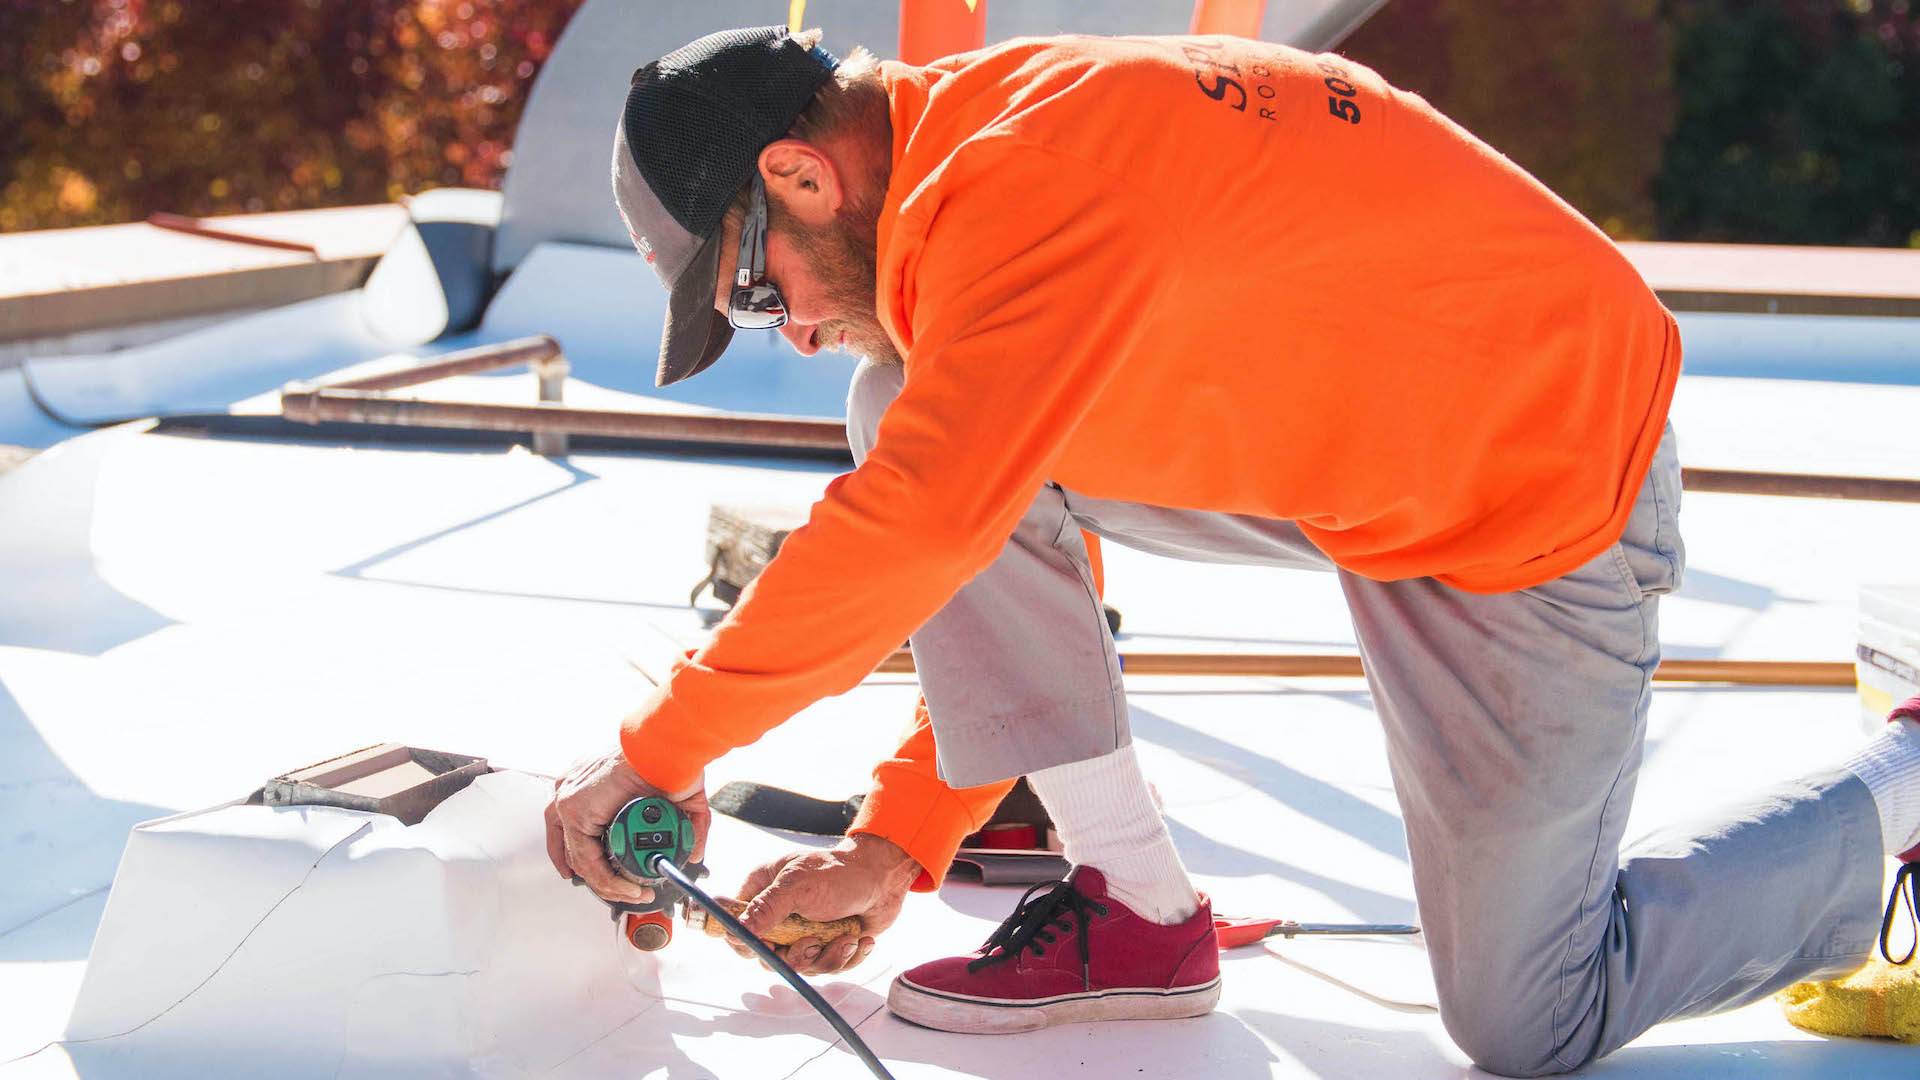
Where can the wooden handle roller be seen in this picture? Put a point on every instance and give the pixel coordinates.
(790, 930)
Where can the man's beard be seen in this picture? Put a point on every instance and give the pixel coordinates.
(843, 255)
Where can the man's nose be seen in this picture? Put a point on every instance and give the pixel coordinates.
(804, 337)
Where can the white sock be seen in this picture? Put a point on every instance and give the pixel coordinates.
(1107, 819)
(1890, 767)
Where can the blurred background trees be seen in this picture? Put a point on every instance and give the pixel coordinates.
(1578, 92)
(112, 109)
(1799, 122)
(1759, 121)
(1785, 121)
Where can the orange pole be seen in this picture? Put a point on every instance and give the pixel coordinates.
(1238, 17)
(931, 29)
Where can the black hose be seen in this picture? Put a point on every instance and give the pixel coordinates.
(661, 866)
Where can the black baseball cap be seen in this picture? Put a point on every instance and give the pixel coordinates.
(688, 141)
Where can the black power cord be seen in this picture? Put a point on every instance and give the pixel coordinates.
(661, 866)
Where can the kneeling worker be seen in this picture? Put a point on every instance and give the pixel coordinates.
(1223, 300)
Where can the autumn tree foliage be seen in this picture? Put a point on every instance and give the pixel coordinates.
(1760, 121)
(112, 109)
(1794, 121)
(1577, 92)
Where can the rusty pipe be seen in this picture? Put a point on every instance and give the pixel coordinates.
(780, 432)
(1757, 672)
(551, 374)
(1741, 672)
(356, 406)
(539, 352)
(1802, 485)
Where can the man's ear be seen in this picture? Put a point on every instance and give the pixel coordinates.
(804, 179)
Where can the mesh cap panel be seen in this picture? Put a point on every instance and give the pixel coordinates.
(697, 118)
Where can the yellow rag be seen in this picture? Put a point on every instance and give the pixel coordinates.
(1880, 1000)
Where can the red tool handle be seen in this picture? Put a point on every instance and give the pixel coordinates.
(1236, 932)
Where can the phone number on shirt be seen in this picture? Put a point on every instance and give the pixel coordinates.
(1226, 82)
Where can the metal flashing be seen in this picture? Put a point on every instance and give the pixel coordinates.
(404, 782)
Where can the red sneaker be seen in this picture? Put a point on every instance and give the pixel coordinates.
(1068, 955)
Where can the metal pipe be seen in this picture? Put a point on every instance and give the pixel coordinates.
(1757, 672)
(1802, 485)
(532, 351)
(356, 406)
(551, 372)
(781, 432)
(1742, 672)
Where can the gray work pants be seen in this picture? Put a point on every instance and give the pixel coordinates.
(1514, 725)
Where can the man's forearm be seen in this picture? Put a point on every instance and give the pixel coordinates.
(898, 868)
(912, 808)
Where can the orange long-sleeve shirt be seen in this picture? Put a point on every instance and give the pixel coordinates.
(1206, 273)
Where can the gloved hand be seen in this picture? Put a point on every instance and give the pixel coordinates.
(864, 875)
(584, 803)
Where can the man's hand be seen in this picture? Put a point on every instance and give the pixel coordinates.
(584, 802)
(863, 875)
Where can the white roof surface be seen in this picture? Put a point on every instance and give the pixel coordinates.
(182, 618)
(187, 617)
